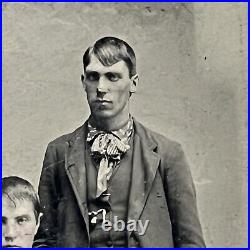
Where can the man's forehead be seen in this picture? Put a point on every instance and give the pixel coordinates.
(96, 65)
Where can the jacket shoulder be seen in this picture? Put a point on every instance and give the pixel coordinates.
(151, 135)
(162, 140)
(165, 146)
(66, 138)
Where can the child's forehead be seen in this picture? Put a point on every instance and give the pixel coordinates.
(12, 202)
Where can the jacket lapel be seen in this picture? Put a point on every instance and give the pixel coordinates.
(76, 170)
(145, 164)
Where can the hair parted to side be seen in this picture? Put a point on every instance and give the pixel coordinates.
(110, 50)
(15, 188)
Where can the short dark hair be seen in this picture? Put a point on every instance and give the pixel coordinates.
(110, 50)
(16, 188)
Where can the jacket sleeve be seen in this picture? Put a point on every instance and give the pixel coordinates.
(181, 198)
(47, 190)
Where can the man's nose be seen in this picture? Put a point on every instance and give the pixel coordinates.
(102, 85)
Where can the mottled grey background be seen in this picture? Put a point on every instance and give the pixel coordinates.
(192, 61)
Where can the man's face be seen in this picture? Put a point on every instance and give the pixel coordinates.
(108, 88)
(18, 223)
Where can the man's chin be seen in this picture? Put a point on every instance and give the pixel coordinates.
(102, 113)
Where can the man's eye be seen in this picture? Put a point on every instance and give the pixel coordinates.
(22, 220)
(92, 76)
(113, 77)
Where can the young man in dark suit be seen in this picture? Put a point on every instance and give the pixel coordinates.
(114, 169)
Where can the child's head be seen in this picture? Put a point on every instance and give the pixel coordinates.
(20, 212)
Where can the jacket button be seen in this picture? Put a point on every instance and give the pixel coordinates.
(109, 243)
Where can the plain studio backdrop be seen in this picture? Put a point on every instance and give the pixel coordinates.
(192, 62)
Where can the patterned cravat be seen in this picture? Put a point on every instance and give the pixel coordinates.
(107, 149)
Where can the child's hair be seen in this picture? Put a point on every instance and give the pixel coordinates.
(15, 188)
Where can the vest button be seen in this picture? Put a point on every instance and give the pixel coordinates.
(109, 243)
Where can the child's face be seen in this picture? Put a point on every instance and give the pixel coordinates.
(18, 223)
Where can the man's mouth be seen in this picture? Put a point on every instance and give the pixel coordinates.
(102, 101)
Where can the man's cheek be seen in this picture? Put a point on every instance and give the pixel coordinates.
(29, 231)
(90, 90)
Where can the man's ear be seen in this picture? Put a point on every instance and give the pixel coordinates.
(83, 82)
(134, 82)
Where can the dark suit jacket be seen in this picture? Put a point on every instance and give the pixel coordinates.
(162, 192)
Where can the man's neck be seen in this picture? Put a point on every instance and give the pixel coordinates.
(108, 124)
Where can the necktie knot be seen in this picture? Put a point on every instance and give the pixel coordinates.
(107, 149)
(109, 146)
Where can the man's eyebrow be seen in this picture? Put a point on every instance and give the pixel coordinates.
(27, 216)
(113, 72)
(91, 71)
(109, 72)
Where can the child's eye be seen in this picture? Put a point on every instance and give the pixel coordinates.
(4, 220)
(22, 220)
